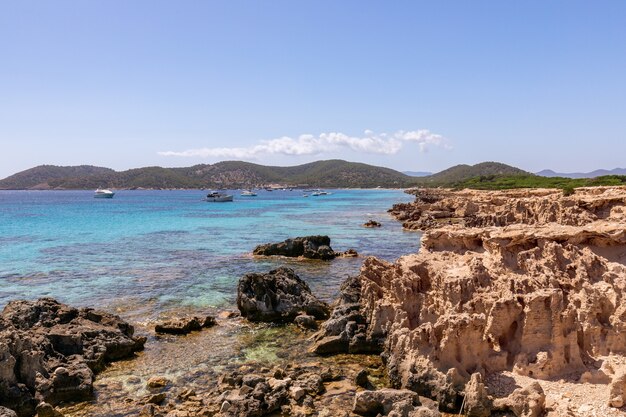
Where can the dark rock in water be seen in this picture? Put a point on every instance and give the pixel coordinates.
(346, 329)
(184, 325)
(46, 410)
(277, 296)
(50, 351)
(361, 379)
(350, 253)
(311, 247)
(306, 322)
(372, 223)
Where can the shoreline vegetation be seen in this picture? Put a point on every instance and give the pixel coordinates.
(321, 174)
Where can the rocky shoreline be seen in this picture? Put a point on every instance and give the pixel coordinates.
(514, 306)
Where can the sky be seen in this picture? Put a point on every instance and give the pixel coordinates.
(411, 85)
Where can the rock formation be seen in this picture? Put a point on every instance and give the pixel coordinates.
(310, 247)
(184, 325)
(527, 281)
(49, 352)
(277, 296)
(372, 223)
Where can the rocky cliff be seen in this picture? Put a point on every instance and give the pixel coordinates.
(524, 283)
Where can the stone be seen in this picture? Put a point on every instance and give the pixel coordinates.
(46, 410)
(277, 296)
(306, 322)
(311, 247)
(372, 223)
(617, 391)
(157, 382)
(297, 393)
(156, 398)
(524, 402)
(59, 349)
(372, 403)
(182, 326)
(476, 403)
(361, 379)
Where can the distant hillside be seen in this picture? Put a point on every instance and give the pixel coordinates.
(228, 174)
(592, 174)
(41, 176)
(459, 173)
(417, 173)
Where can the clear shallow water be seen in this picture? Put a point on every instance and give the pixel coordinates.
(145, 252)
(151, 254)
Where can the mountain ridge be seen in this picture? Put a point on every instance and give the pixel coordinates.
(592, 174)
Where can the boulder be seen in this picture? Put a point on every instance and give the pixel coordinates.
(310, 247)
(306, 322)
(59, 349)
(372, 223)
(529, 401)
(372, 403)
(477, 403)
(184, 325)
(277, 296)
(617, 391)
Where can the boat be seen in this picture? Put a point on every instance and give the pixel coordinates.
(248, 193)
(103, 193)
(217, 197)
(319, 192)
(305, 195)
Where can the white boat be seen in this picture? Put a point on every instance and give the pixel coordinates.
(319, 192)
(248, 193)
(103, 193)
(216, 197)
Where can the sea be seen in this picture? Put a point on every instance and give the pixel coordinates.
(151, 254)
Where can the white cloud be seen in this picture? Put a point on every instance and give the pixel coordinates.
(371, 142)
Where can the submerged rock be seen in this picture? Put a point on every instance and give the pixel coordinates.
(310, 247)
(184, 325)
(277, 296)
(50, 352)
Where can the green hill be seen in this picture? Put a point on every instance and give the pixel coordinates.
(227, 174)
(459, 173)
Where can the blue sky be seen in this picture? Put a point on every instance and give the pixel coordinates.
(412, 85)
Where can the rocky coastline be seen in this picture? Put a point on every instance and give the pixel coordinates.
(514, 306)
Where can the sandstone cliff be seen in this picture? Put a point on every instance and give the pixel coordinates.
(529, 283)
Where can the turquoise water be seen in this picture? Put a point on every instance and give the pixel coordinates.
(145, 252)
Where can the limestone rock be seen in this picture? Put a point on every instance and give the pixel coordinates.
(617, 391)
(277, 296)
(58, 349)
(310, 247)
(371, 403)
(477, 403)
(184, 325)
(524, 402)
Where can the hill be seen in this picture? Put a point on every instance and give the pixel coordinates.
(227, 174)
(41, 176)
(592, 174)
(459, 173)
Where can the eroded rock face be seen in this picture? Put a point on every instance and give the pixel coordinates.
(434, 208)
(536, 286)
(184, 325)
(310, 247)
(50, 351)
(277, 296)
